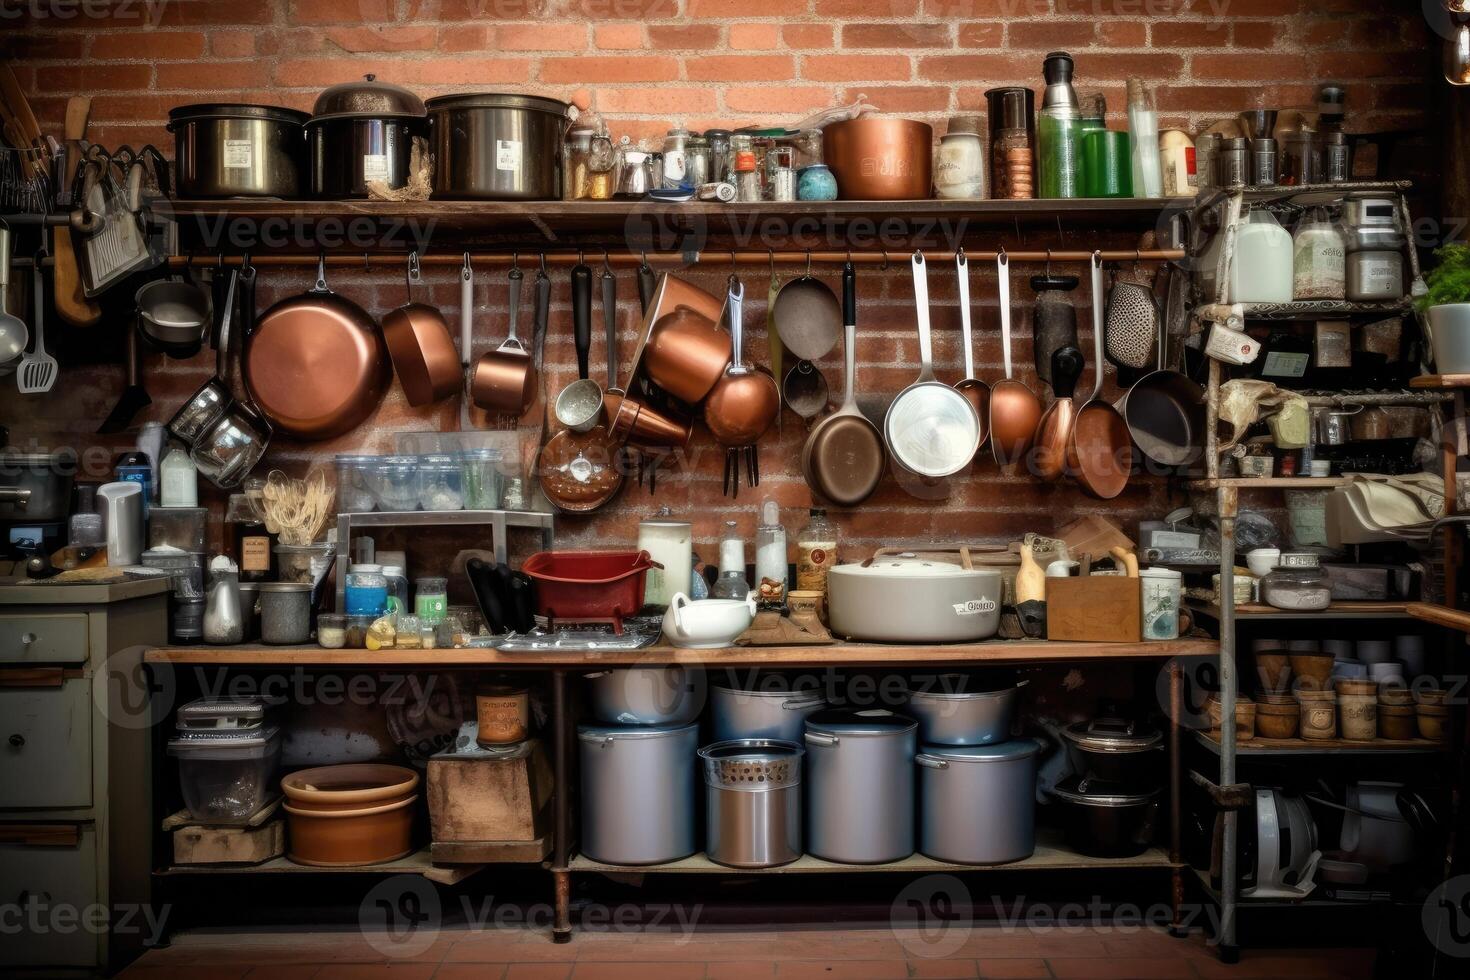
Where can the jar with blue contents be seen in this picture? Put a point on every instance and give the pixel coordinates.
(367, 590)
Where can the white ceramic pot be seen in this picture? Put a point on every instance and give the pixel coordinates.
(1449, 327)
(708, 623)
(1262, 560)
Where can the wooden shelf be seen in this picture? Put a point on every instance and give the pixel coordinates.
(1428, 612)
(1326, 746)
(1441, 382)
(491, 852)
(1338, 610)
(1051, 855)
(840, 654)
(1270, 482)
(416, 863)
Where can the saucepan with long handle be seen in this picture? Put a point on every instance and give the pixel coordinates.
(1014, 408)
(1100, 452)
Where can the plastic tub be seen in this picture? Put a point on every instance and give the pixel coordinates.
(606, 585)
(395, 483)
(355, 484)
(225, 777)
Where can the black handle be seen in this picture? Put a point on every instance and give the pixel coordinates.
(1066, 368)
(18, 741)
(522, 602)
(488, 597)
(849, 295)
(543, 310)
(582, 315)
(610, 323)
(647, 281)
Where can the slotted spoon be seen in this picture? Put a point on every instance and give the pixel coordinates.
(37, 371)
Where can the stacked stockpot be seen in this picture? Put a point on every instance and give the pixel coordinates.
(1110, 804)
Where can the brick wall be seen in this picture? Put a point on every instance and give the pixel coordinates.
(701, 62)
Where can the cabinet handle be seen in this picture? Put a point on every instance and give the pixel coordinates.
(26, 639)
(18, 740)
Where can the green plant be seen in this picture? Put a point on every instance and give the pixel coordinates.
(1449, 281)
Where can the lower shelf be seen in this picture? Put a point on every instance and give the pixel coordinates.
(1326, 746)
(1051, 855)
(416, 863)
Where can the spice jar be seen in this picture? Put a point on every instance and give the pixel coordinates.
(747, 178)
(675, 160)
(1318, 714)
(816, 552)
(331, 631)
(285, 612)
(503, 712)
(696, 160)
(1233, 162)
(721, 164)
(1319, 253)
(1301, 159)
(731, 583)
(1206, 149)
(1375, 259)
(1300, 589)
(431, 598)
(1012, 112)
(1337, 164)
(959, 163)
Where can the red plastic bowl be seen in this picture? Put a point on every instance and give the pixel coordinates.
(589, 585)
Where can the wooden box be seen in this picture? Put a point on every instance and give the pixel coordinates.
(1094, 609)
(487, 795)
(230, 845)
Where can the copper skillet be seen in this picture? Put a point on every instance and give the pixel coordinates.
(1014, 408)
(1100, 452)
(844, 455)
(421, 346)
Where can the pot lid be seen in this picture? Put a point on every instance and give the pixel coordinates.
(1097, 792)
(772, 685)
(285, 586)
(910, 565)
(498, 100)
(1108, 734)
(367, 98)
(599, 733)
(227, 712)
(1012, 751)
(187, 740)
(236, 110)
(867, 721)
(751, 750)
(961, 686)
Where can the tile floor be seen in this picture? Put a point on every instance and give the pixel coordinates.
(713, 953)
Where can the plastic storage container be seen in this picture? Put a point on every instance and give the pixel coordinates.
(480, 478)
(355, 484)
(184, 528)
(395, 483)
(226, 776)
(439, 486)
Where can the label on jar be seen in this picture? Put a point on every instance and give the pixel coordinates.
(431, 606)
(375, 166)
(239, 154)
(814, 559)
(1285, 364)
(508, 155)
(255, 554)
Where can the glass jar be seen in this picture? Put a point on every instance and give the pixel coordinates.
(721, 164)
(398, 599)
(395, 483)
(430, 598)
(247, 541)
(1319, 254)
(816, 552)
(480, 480)
(303, 563)
(367, 590)
(959, 163)
(780, 174)
(1337, 159)
(771, 570)
(513, 494)
(676, 159)
(588, 160)
(409, 634)
(331, 631)
(731, 583)
(1012, 143)
(747, 177)
(354, 484)
(696, 160)
(1300, 159)
(1299, 589)
(439, 483)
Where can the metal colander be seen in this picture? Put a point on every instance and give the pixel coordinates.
(752, 764)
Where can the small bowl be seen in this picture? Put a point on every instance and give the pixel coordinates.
(1261, 560)
(579, 405)
(708, 623)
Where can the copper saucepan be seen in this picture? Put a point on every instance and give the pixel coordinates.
(505, 378)
(687, 354)
(1100, 453)
(743, 403)
(1014, 408)
(422, 347)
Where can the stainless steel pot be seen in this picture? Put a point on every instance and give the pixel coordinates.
(646, 695)
(637, 792)
(977, 803)
(752, 802)
(957, 709)
(362, 131)
(860, 779)
(238, 150)
(174, 315)
(36, 486)
(908, 597)
(1120, 750)
(496, 147)
(767, 707)
(1107, 820)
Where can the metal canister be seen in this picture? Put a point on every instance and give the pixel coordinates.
(503, 712)
(696, 161)
(1337, 158)
(752, 802)
(1232, 162)
(1263, 162)
(783, 184)
(1206, 148)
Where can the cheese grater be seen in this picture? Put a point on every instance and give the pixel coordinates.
(120, 246)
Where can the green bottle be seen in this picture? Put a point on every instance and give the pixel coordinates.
(1058, 125)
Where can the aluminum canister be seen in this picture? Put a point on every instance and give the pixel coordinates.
(977, 803)
(1336, 158)
(860, 785)
(1232, 163)
(1263, 162)
(637, 792)
(752, 802)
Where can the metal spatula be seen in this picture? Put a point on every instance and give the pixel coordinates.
(37, 371)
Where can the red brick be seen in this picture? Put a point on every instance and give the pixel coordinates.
(232, 44)
(618, 36)
(1171, 35)
(465, 37)
(721, 9)
(609, 69)
(663, 99)
(867, 9)
(981, 34)
(147, 46)
(198, 13)
(901, 98)
(644, 10)
(741, 68)
(340, 11)
(1048, 35)
(683, 37)
(754, 37)
(570, 36)
(1255, 34)
(462, 71)
(806, 35)
(22, 44)
(1134, 9)
(853, 67)
(1359, 65)
(1159, 66)
(359, 39)
(1123, 33)
(1245, 8)
(896, 36)
(777, 100)
(88, 78)
(1000, 67)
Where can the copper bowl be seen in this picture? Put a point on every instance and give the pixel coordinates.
(880, 158)
(423, 353)
(371, 834)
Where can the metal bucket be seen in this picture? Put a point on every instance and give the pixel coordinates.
(637, 793)
(753, 801)
(861, 786)
(768, 710)
(977, 803)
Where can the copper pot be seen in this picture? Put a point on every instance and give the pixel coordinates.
(423, 353)
(504, 380)
(880, 158)
(745, 401)
(687, 353)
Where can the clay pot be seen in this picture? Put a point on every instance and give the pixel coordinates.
(1356, 687)
(348, 786)
(1434, 722)
(1274, 670)
(371, 834)
(1311, 671)
(1396, 696)
(1277, 720)
(1318, 714)
(1433, 695)
(1245, 717)
(1397, 722)
(1357, 716)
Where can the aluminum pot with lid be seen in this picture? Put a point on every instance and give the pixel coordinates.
(768, 706)
(497, 147)
(1118, 749)
(977, 803)
(1107, 819)
(637, 792)
(362, 131)
(646, 695)
(911, 597)
(752, 802)
(962, 709)
(238, 150)
(860, 785)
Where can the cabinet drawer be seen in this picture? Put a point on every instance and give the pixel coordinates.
(46, 744)
(58, 639)
(49, 883)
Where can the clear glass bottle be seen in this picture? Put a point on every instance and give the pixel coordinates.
(1058, 140)
(676, 159)
(178, 480)
(721, 164)
(771, 570)
(959, 163)
(248, 541)
(1143, 136)
(816, 552)
(1319, 258)
(397, 580)
(697, 160)
(731, 583)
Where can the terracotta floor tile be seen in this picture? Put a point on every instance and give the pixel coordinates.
(739, 970)
(1121, 968)
(537, 971)
(942, 969)
(185, 971)
(491, 948)
(1331, 964)
(376, 971)
(638, 971)
(844, 970)
(299, 971)
(1013, 968)
(471, 971)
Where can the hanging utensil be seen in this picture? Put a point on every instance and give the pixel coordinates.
(466, 338)
(505, 379)
(804, 390)
(1165, 413)
(14, 334)
(844, 456)
(71, 302)
(610, 318)
(976, 392)
(807, 322)
(742, 405)
(579, 405)
(930, 429)
(134, 397)
(421, 346)
(773, 339)
(1100, 453)
(1014, 408)
(37, 371)
(1054, 431)
(647, 282)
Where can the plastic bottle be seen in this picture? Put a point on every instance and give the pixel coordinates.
(1143, 133)
(770, 556)
(816, 552)
(1057, 138)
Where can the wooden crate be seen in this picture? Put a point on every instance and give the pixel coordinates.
(230, 845)
(483, 796)
(1094, 608)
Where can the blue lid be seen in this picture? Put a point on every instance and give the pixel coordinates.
(1019, 748)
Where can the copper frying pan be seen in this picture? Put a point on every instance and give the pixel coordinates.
(1100, 453)
(421, 346)
(316, 364)
(844, 455)
(1014, 408)
(977, 392)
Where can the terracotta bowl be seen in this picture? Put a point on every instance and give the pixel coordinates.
(347, 838)
(357, 784)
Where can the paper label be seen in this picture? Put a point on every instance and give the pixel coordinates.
(1283, 364)
(375, 166)
(255, 554)
(508, 155)
(974, 607)
(239, 154)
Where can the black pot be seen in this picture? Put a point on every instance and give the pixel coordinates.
(348, 152)
(1117, 750)
(1106, 820)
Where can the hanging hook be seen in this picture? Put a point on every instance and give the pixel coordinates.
(808, 263)
(542, 270)
(465, 272)
(606, 262)
(884, 267)
(367, 262)
(959, 256)
(580, 257)
(1003, 258)
(643, 256)
(771, 261)
(1048, 262)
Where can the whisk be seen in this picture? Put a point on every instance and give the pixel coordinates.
(25, 180)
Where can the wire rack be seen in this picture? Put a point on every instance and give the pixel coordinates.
(25, 180)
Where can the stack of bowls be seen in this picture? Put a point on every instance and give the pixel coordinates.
(350, 815)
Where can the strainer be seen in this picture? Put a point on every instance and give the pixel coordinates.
(752, 764)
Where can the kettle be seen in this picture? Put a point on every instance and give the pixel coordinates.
(121, 507)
